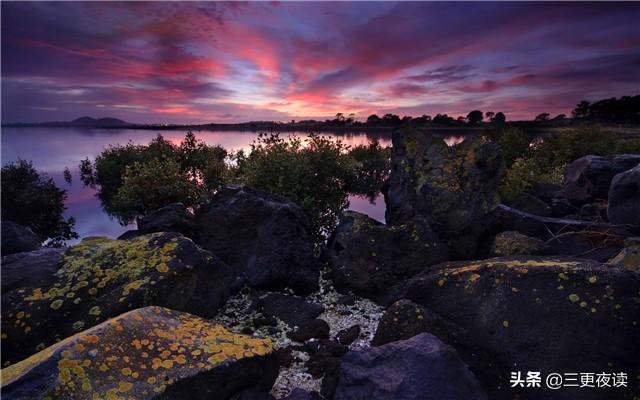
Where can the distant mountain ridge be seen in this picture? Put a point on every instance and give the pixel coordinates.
(82, 122)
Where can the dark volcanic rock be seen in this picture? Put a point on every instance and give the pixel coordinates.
(293, 310)
(455, 188)
(629, 256)
(539, 314)
(101, 278)
(511, 243)
(624, 199)
(17, 238)
(588, 178)
(30, 269)
(265, 238)
(172, 218)
(369, 257)
(310, 329)
(348, 335)
(299, 394)
(420, 368)
(148, 353)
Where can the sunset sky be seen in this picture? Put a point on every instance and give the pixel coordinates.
(231, 62)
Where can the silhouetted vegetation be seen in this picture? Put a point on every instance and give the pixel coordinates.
(625, 109)
(33, 200)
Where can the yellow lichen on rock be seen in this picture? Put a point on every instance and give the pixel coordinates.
(153, 347)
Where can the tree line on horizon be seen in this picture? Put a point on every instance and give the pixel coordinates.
(625, 109)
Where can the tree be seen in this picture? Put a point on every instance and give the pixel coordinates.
(582, 110)
(442, 119)
(559, 117)
(544, 117)
(475, 117)
(153, 184)
(499, 118)
(372, 168)
(33, 200)
(391, 119)
(489, 115)
(373, 119)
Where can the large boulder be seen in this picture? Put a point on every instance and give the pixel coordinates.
(536, 314)
(101, 278)
(265, 238)
(172, 218)
(455, 188)
(17, 238)
(624, 199)
(148, 353)
(588, 178)
(420, 368)
(30, 269)
(369, 257)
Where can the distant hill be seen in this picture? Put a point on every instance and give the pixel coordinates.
(100, 122)
(82, 122)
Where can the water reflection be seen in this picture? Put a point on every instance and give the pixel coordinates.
(53, 149)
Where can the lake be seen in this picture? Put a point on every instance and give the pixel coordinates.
(53, 149)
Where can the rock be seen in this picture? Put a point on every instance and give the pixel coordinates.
(455, 188)
(628, 257)
(264, 237)
(348, 335)
(17, 238)
(130, 234)
(368, 257)
(148, 353)
(299, 394)
(593, 244)
(536, 313)
(510, 243)
(172, 218)
(405, 319)
(101, 278)
(309, 329)
(531, 204)
(588, 178)
(331, 378)
(420, 368)
(596, 211)
(624, 199)
(293, 310)
(30, 269)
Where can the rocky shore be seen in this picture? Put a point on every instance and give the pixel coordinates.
(445, 301)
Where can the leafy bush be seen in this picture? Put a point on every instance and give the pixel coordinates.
(150, 185)
(513, 141)
(199, 164)
(525, 173)
(314, 173)
(33, 200)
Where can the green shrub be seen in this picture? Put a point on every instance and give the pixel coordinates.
(150, 185)
(33, 200)
(199, 164)
(314, 173)
(525, 173)
(514, 143)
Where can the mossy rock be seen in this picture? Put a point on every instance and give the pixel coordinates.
(512, 243)
(454, 188)
(101, 278)
(147, 353)
(537, 314)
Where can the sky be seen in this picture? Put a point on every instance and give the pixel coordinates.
(167, 62)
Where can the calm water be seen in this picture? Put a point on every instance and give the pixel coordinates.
(53, 149)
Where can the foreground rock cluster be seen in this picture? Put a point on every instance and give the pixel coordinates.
(445, 301)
